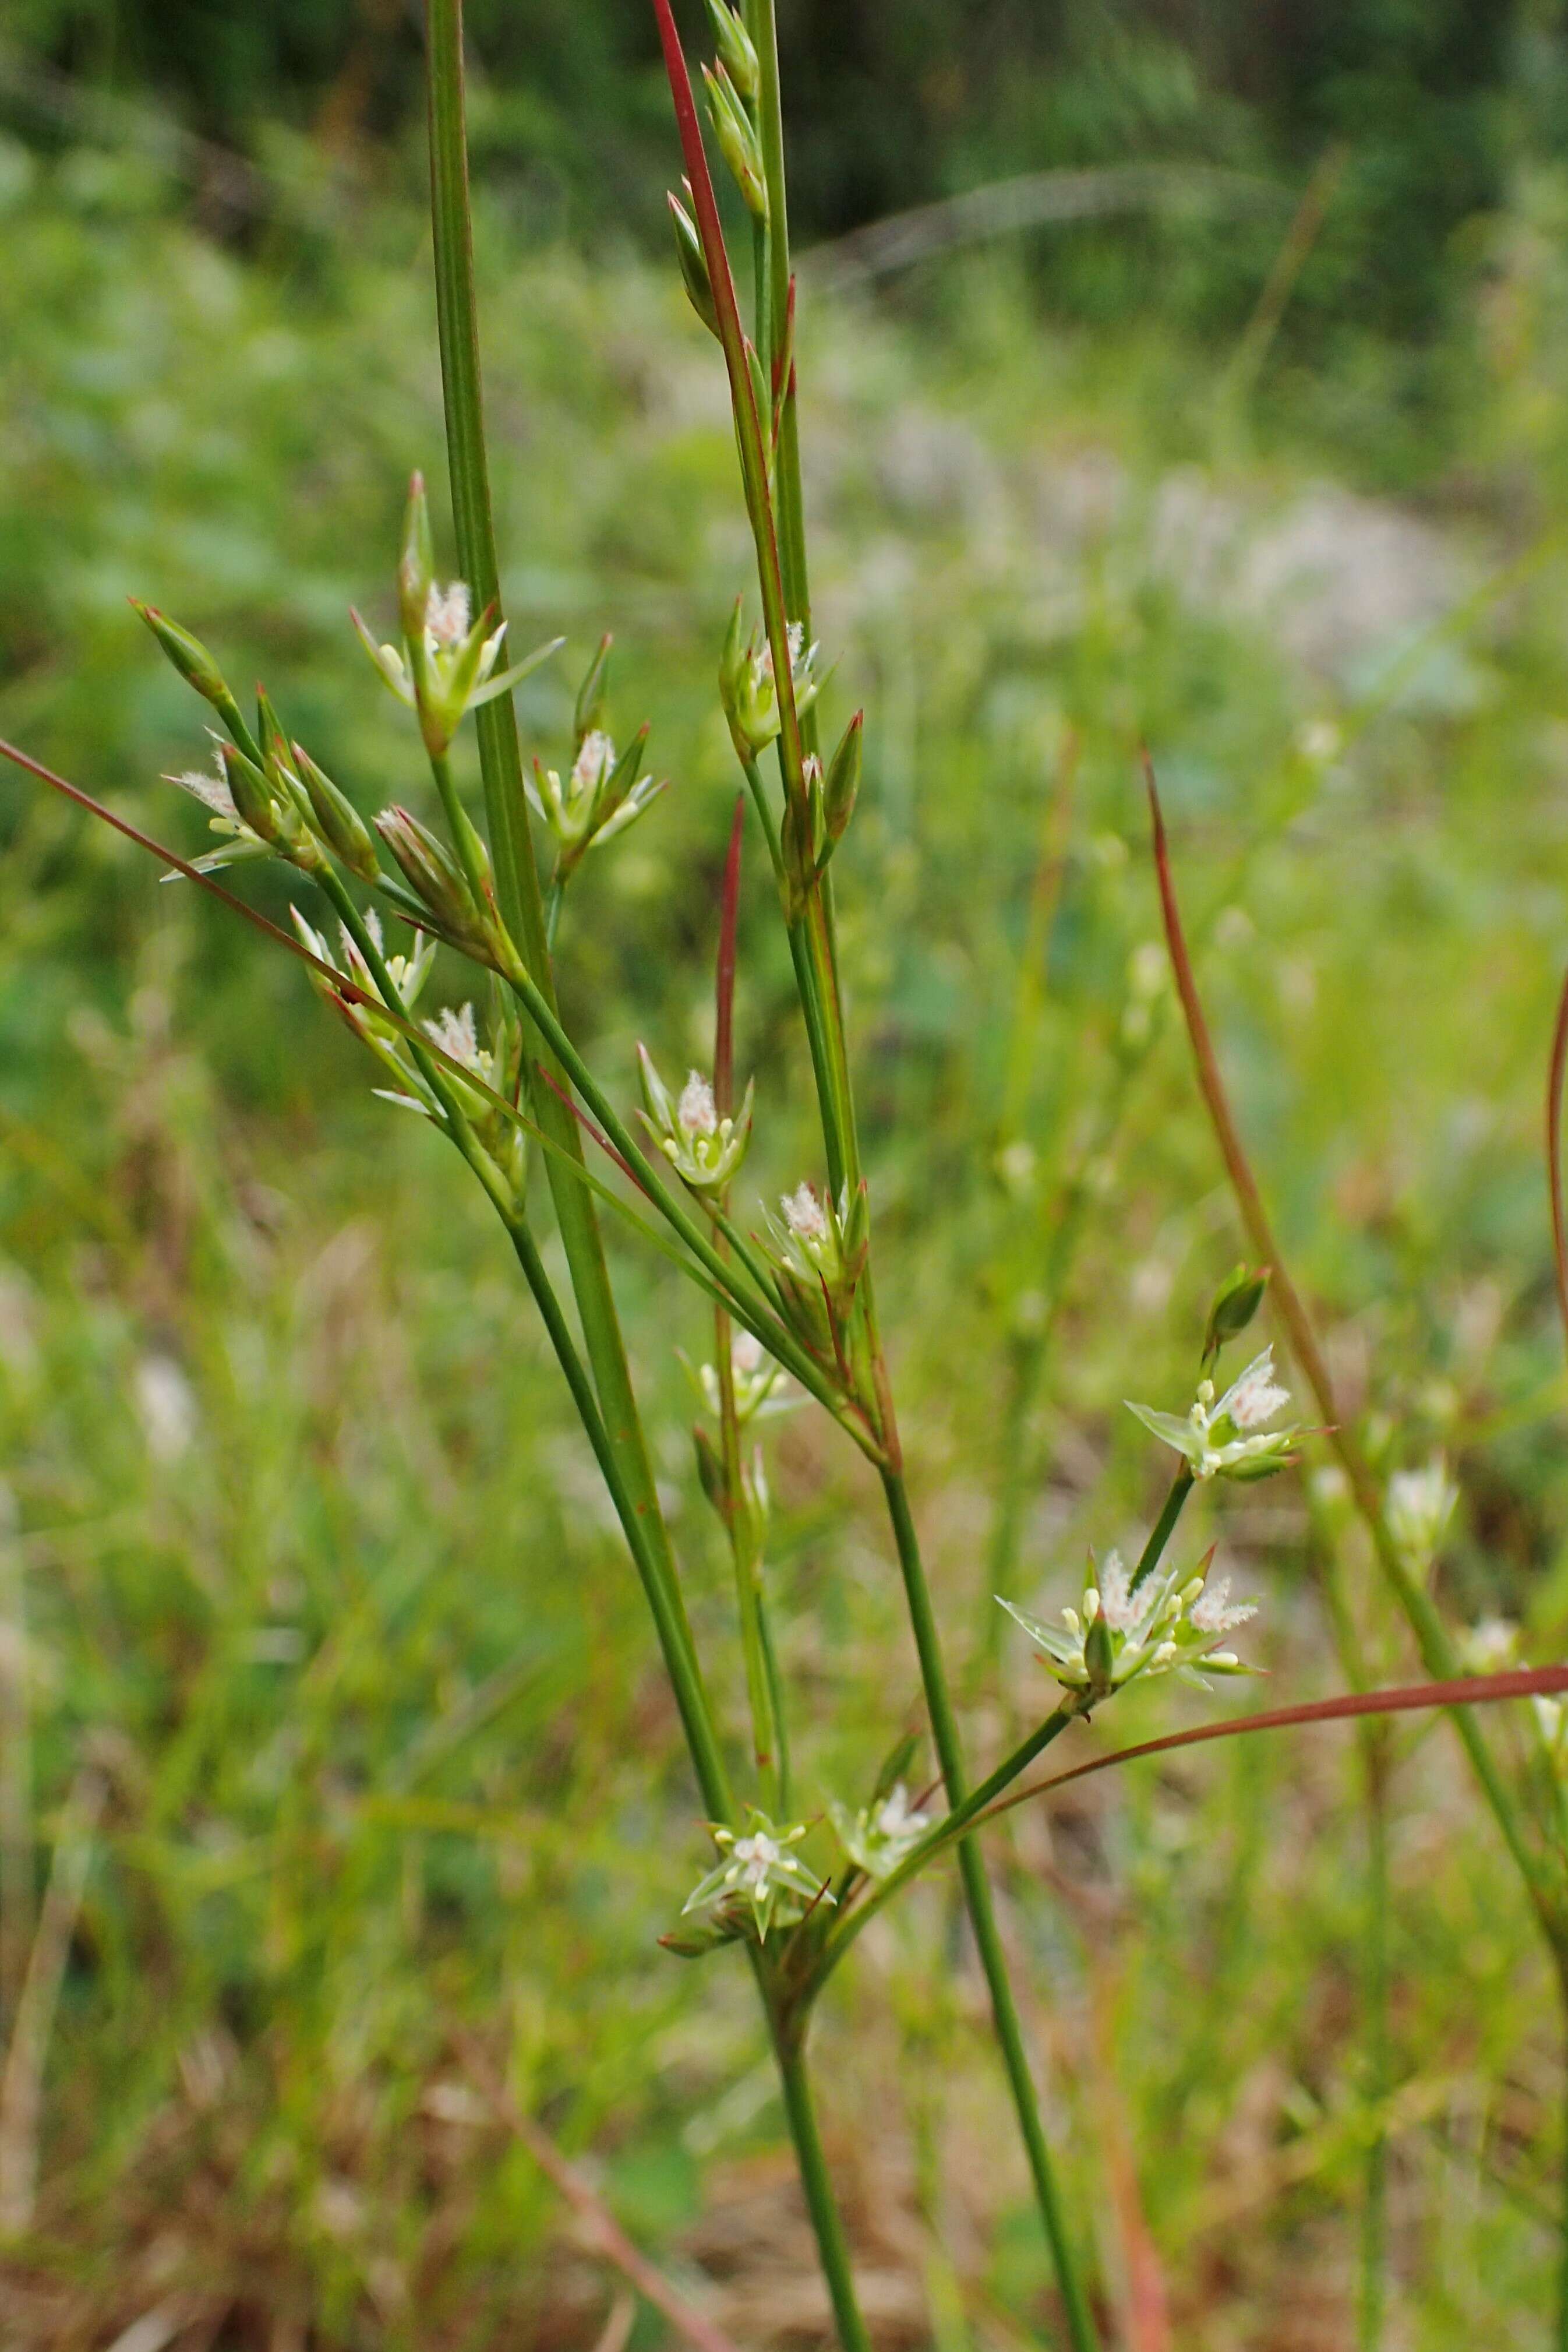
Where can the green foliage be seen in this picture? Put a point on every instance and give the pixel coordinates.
(312, 1554)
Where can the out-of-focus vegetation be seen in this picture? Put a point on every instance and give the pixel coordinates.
(305, 1559)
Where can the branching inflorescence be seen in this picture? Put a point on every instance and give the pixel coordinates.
(793, 1301)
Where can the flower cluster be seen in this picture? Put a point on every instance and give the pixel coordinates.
(446, 666)
(1229, 1440)
(1165, 1625)
(750, 689)
(494, 1064)
(407, 973)
(278, 804)
(818, 1248)
(878, 1837)
(759, 1873)
(213, 789)
(602, 795)
(704, 1149)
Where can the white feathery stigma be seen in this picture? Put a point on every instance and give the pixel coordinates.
(804, 1214)
(1255, 1397)
(697, 1112)
(447, 614)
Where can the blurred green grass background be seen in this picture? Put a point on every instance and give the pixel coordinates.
(305, 1556)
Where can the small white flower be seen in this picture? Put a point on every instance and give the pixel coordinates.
(1229, 1439)
(166, 1407)
(704, 1149)
(804, 1214)
(211, 791)
(1165, 1625)
(749, 688)
(761, 1386)
(795, 636)
(1419, 1506)
(1490, 1646)
(760, 1854)
(1113, 1596)
(896, 1818)
(697, 1112)
(877, 1838)
(761, 1867)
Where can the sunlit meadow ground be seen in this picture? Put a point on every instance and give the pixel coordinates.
(307, 1555)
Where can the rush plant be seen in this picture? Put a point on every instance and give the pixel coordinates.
(792, 1295)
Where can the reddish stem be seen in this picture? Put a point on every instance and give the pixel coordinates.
(724, 985)
(1466, 1690)
(589, 1128)
(347, 990)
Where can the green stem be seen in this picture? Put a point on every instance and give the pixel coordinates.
(1163, 1527)
(747, 1563)
(982, 1915)
(954, 1824)
(1563, 2258)
(829, 2229)
(674, 1638)
(786, 465)
(775, 1336)
(673, 1633)
(1375, 1998)
(500, 761)
(772, 559)
(522, 910)
(1436, 1650)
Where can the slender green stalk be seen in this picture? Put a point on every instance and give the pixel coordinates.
(982, 1915)
(1432, 1640)
(740, 1513)
(954, 1824)
(1163, 1527)
(833, 2250)
(522, 909)
(680, 1659)
(779, 539)
(1372, 2295)
(1562, 2257)
(516, 875)
(673, 1631)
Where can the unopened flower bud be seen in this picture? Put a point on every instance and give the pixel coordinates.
(841, 787)
(416, 562)
(589, 715)
(694, 275)
(253, 803)
(710, 1471)
(735, 48)
(738, 141)
(197, 667)
(337, 821)
(1236, 1303)
(436, 879)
